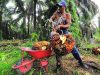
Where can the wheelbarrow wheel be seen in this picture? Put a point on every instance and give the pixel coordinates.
(25, 68)
(38, 68)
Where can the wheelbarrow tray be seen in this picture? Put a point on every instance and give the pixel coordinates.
(37, 54)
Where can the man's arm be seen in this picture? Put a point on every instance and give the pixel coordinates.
(53, 16)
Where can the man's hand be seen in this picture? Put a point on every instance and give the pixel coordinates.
(57, 27)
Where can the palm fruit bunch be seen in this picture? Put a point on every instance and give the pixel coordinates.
(40, 45)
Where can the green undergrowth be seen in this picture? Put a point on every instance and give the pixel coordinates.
(9, 55)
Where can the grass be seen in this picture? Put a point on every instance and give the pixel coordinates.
(7, 59)
(92, 45)
(9, 55)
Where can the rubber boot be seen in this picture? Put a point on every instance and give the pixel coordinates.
(83, 65)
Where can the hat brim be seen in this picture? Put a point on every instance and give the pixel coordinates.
(59, 5)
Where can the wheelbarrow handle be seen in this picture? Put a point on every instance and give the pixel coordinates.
(14, 66)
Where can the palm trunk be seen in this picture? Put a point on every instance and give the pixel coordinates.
(1, 19)
(28, 25)
(35, 1)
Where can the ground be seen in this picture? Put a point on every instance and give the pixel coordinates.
(72, 67)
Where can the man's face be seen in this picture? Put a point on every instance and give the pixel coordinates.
(61, 8)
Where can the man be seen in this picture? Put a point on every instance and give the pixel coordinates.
(63, 22)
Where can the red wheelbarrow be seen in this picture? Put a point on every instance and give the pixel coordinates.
(26, 64)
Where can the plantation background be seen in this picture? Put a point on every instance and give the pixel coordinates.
(23, 22)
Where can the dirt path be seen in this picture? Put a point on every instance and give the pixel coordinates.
(72, 68)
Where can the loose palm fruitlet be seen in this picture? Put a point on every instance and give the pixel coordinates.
(96, 51)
